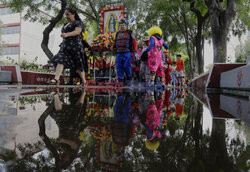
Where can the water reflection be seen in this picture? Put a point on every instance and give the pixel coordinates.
(69, 119)
(152, 131)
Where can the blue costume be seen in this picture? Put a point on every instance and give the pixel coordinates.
(152, 43)
(124, 45)
(124, 64)
(150, 132)
(122, 110)
(121, 125)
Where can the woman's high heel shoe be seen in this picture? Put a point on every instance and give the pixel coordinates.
(54, 82)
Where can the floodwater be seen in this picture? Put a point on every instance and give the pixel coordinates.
(72, 130)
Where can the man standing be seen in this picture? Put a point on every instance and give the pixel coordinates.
(125, 44)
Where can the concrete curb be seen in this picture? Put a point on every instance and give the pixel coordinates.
(5, 76)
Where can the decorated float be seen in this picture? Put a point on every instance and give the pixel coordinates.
(101, 64)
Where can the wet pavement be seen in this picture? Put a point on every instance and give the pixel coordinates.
(68, 129)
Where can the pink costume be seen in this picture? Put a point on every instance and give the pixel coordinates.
(153, 121)
(155, 57)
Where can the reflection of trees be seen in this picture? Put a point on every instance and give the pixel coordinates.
(223, 156)
(185, 148)
(218, 156)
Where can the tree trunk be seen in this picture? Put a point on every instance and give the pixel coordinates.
(198, 45)
(198, 39)
(191, 59)
(50, 27)
(220, 20)
(219, 37)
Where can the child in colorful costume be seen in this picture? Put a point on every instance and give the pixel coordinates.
(125, 44)
(154, 51)
(167, 70)
(180, 70)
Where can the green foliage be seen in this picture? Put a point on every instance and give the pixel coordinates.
(186, 62)
(176, 45)
(208, 67)
(240, 59)
(92, 28)
(242, 51)
(139, 11)
(26, 65)
(1, 41)
(201, 6)
(33, 8)
(243, 12)
(179, 25)
(30, 100)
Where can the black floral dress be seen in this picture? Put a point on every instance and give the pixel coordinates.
(71, 53)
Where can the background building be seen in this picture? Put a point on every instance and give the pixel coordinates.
(22, 39)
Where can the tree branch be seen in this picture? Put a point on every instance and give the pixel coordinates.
(208, 3)
(230, 12)
(90, 16)
(197, 12)
(93, 9)
(42, 132)
(50, 27)
(178, 24)
(218, 6)
(186, 26)
(206, 15)
(231, 7)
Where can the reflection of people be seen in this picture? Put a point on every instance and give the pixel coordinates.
(121, 126)
(167, 110)
(125, 44)
(168, 68)
(71, 53)
(152, 122)
(179, 104)
(68, 117)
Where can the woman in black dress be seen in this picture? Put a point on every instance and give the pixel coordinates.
(71, 54)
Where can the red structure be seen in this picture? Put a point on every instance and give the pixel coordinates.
(211, 79)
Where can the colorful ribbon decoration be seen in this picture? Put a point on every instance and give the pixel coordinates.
(126, 21)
